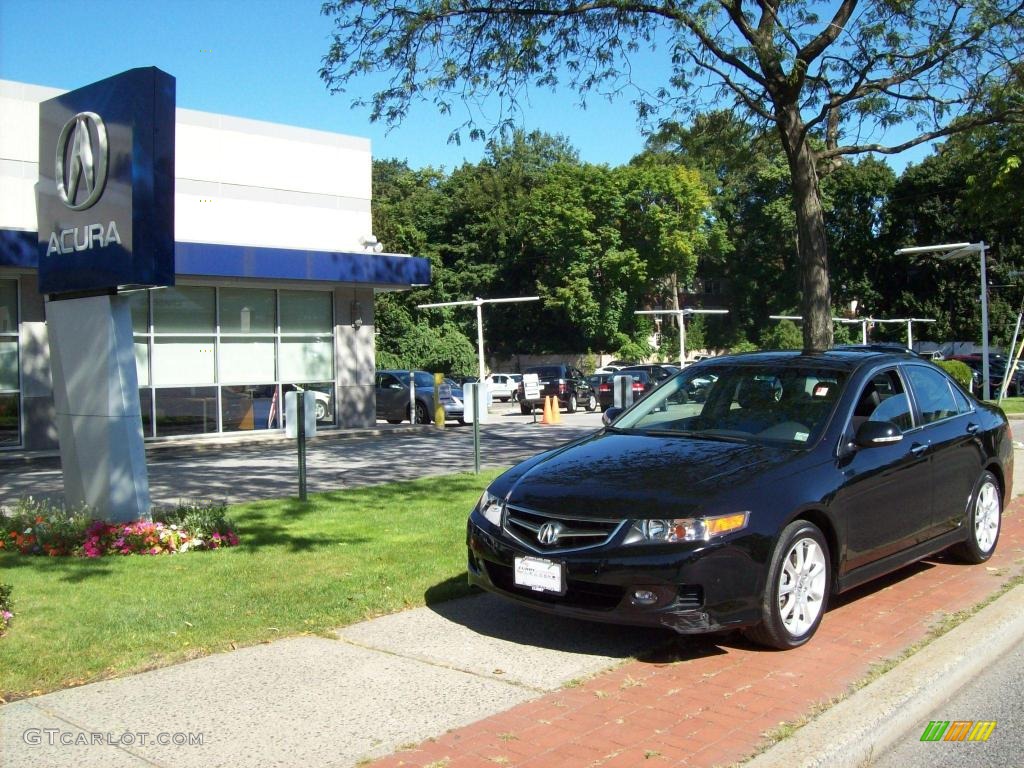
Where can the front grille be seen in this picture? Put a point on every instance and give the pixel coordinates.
(555, 533)
(582, 594)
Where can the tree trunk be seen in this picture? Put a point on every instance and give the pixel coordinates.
(812, 243)
(673, 282)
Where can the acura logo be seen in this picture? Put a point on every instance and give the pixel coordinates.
(549, 533)
(81, 168)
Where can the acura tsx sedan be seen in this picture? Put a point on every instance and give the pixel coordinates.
(791, 479)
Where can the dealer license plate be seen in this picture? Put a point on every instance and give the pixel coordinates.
(539, 574)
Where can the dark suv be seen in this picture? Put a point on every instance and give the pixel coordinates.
(565, 382)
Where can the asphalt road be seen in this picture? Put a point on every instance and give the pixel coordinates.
(237, 472)
(995, 695)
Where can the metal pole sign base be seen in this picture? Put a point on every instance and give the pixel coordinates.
(96, 399)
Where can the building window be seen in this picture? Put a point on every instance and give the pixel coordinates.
(10, 372)
(250, 344)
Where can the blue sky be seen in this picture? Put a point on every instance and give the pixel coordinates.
(259, 59)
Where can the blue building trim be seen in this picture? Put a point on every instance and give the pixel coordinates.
(21, 249)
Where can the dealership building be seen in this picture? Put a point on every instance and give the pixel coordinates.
(275, 272)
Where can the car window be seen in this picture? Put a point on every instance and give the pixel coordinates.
(934, 396)
(883, 399)
(787, 405)
(963, 403)
(387, 381)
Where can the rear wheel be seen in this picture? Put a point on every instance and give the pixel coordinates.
(526, 408)
(982, 522)
(591, 403)
(796, 593)
(570, 407)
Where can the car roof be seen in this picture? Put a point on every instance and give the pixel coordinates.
(847, 359)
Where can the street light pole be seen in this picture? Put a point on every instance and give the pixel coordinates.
(947, 252)
(680, 314)
(478, 303)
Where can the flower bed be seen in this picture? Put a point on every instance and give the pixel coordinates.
(38, 527)
(5, 608)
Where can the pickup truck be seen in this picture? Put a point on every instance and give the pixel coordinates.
(563, 381)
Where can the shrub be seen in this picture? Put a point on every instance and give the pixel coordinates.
(958, 370)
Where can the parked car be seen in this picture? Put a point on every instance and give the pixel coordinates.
(392, 392)
(503, 386)
(604, 386)
(799, 477)
(657, 371)
(996, 373)
(566, 382)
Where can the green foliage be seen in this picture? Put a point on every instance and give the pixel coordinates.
(783, 335)
(44, 526)
(958, 370)
(201, 519)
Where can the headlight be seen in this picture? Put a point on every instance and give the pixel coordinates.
(490, 507)
(685, 528)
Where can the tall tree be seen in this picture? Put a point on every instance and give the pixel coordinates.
(829, 77)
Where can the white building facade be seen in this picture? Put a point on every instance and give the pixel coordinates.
(276, 271)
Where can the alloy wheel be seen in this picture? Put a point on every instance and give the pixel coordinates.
(986, 517)
(802, 586)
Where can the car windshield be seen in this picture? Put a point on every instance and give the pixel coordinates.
(757, 403)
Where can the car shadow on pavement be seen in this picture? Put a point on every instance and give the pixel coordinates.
(492, 616)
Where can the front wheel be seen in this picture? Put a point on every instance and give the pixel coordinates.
(571, 406)
(982, 522)
(526, 408)
(796, 593)
(422, 413)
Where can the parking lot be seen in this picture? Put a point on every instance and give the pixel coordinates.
(234, 471)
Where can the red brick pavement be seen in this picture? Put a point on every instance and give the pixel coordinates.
(711, 702)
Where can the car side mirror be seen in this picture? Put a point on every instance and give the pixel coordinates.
(872, 434)
(610, 415)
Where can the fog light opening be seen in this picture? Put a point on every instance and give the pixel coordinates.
(644, 597)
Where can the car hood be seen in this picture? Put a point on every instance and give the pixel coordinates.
(614, 475)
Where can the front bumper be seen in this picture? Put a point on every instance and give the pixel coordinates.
(698, 588)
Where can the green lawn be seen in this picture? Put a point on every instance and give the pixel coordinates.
(1012, 406)
(300, 568)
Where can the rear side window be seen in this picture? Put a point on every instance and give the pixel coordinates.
(933, 393)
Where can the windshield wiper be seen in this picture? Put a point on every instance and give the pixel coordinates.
(692, 433)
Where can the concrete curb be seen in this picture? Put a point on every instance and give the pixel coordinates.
(865, 724)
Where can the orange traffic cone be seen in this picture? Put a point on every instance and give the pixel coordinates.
(556, 412)
(546, 416)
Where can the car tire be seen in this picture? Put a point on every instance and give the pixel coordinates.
(394, 421)
(800, 567)
(321, 410)
(422, 413)
(983, 522)
(526, 409)
(591, 403)
(570, 407)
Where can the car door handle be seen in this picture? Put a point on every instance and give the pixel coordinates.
(972, 428)
(918, 448)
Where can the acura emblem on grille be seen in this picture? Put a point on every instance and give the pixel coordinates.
(549, 533)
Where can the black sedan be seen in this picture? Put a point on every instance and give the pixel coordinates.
(794, 478)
